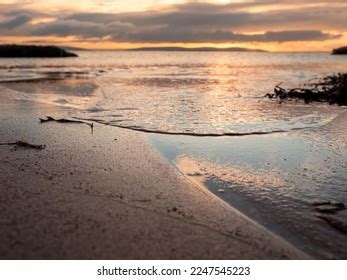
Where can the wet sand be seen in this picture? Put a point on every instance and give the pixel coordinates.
(110, 195)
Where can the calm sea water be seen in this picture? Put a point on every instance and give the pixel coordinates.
(180, 92)
(274, 179)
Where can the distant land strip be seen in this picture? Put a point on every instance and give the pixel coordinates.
(203, 49)
(32, 51)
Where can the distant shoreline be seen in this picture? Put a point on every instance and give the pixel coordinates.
(173, 49)
(46, 51)
(182, 49)
(193, 50)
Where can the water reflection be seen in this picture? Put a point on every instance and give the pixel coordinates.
(274, 179)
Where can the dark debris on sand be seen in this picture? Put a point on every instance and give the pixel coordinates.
(25, 144)
(331, 89)
(51, 119)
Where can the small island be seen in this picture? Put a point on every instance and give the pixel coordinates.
(342, 50)
(25, 51)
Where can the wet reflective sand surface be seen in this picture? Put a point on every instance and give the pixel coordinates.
(279, 180)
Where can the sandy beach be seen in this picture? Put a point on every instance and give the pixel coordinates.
(110, 195)
(173, 139)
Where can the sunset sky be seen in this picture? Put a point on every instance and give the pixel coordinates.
(296, 25)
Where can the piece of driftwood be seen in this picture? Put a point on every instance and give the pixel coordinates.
(331, 89)
(25, 144)
(51, 119)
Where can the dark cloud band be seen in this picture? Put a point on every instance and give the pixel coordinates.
(191, 22)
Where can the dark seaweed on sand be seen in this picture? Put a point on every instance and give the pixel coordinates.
(331, 89)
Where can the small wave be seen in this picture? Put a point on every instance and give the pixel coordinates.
(184, 133)
(31, 80)
(45, 76)
(27, 66)
(126, 109)
(95, 110)
(66, 72)
(61, 101)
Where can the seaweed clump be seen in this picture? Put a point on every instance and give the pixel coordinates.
(331, 89)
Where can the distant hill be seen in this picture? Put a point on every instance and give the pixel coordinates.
(22, 51)
(342, 50)
(204, 49)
